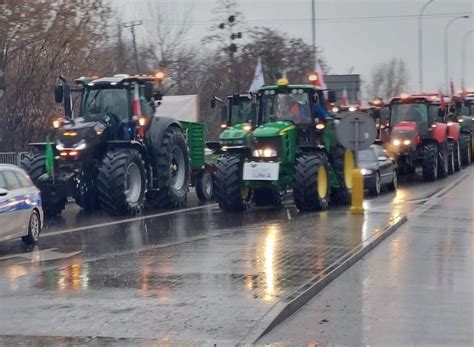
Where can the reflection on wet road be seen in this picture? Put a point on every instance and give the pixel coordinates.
(198, 274)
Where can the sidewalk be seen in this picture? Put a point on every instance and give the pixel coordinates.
(416, 288)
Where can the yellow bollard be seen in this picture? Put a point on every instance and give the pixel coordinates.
(357, 192)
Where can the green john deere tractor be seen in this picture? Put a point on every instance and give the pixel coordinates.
(238, 118)
(116, 154)
(294, 145)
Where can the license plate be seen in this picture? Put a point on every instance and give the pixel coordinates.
(261, 171)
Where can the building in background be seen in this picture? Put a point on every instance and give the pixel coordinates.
(350, 82)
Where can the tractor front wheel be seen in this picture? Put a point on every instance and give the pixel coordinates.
(443, 160)
(121, 182)
(465, 149)
(311, 188)
(230, 194)
(451, 156)
(430, 162)
(204, 186)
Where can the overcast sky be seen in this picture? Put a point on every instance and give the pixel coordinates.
(348, 42)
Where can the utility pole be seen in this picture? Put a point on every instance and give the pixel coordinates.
(420, 45)
(132, 26)
(313, 23)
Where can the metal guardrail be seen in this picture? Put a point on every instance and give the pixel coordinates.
(12, 157)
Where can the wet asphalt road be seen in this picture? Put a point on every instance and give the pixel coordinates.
(416, 288)
(196, 276)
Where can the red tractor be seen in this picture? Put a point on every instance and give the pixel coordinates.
(422, 136)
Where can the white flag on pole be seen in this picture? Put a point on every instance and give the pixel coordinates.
(258, 80)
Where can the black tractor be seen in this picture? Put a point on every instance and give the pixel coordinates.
(114, 154)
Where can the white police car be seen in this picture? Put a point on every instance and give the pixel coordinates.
(21, 214)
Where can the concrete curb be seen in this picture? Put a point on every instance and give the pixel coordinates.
(307, 291)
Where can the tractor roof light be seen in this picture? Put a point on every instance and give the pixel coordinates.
(352, 108)
(313, 77)
(159, 75)
(57, 123)
(223, 125)
(282, 82)
(404, 96)
(142, 121)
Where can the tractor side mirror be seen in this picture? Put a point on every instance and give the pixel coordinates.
(213, 103)
(58, 94)
(331, 96)
(148, 93)
(3, 192)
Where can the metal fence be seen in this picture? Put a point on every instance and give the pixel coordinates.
(12, 157)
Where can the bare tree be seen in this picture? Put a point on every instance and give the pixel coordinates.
(388, 79)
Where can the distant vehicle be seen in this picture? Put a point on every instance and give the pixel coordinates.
(377, 169)
(21, 212)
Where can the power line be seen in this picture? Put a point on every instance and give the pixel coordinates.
(336, 19)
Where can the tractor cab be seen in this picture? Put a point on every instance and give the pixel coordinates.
(294, 106)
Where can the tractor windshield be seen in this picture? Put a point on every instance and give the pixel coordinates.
(409, 113)
(468, 110)
(96, 103)
(291, 105)
(240, 112)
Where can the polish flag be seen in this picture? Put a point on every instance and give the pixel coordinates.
(442, 103)
(319, 71)
(137, 111)
(345, 98)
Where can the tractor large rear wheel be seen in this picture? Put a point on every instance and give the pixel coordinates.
(230, 194)
(465, 149)
(172, 171)
(311, 189)
(121, 182)
(430, 162)
(34, 165)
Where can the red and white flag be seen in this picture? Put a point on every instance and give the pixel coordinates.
(442, 103)
(345, 98)
(137, 110)
(319, 71)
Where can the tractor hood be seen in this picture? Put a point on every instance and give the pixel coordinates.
(235, 132)
(79, 135)
(273, 129)
(405, 126)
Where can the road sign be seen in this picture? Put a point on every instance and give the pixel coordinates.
(356, 131)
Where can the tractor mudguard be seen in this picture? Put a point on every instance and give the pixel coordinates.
(309, 148)
(127, 144)
(454, 131)
(154, 134)
(439, 132)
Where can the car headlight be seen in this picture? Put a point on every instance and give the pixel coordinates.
(365, 172)
(396, 142)
(265, 153)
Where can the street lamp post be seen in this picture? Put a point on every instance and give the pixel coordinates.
(464, 44)
(446, 49)
(420, 45)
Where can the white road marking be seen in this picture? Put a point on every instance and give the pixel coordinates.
(128, 220)
(41, 255)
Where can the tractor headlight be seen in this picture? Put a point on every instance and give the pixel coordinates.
(80, 145)
(406, 142)
(365, 172)
(265, 153)
(396, 142)
(60, 146)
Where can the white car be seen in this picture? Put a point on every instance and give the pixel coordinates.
(21, 214)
